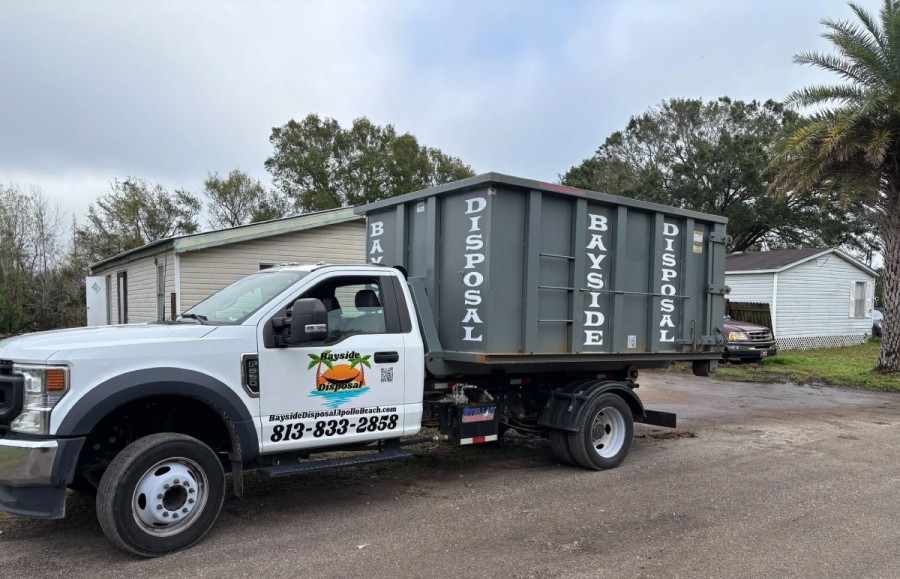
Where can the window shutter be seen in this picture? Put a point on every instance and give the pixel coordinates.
(852, 298)
(870, 295)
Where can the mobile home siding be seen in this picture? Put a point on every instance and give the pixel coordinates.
(206, 271)
(141, 279)
(755, 288)
(814, 300)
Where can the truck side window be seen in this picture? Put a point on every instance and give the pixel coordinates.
(354, 304)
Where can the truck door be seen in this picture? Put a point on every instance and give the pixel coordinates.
(346, 388)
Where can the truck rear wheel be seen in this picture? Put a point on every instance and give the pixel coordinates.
(604, 434)
(559, 443)
(161, 494)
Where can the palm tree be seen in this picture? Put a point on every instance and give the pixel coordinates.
(318, 361)
(361, 361)
(848, 146)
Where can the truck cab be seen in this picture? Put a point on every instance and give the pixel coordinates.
(229, 374)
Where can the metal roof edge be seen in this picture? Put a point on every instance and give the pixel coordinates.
(193, 241)
(151, 249)
(751, 271)
(501, 179)
(264, 229)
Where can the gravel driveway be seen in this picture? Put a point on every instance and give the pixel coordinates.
(758, 480)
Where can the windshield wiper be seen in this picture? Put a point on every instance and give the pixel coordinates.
(199, 317)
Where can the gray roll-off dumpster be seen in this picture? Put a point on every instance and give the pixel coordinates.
(511, 274)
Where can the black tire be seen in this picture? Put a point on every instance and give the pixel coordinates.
(144, 465)
(559, 443)
(611, 414)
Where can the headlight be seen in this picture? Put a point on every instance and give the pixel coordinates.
(738, 337)
(44, 387)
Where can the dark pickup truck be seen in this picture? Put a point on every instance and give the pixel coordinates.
(748, 342)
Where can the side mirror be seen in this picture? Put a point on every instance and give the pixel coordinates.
(309, 321)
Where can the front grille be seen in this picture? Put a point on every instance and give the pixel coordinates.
(11, 393)
(761, 336)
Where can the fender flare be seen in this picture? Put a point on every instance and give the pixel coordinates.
(106, 397)
(566, 406)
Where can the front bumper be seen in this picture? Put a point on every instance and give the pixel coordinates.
(750, 350)
(34, 475)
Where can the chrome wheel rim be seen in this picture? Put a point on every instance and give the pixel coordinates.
(608, 432)
(170, 497)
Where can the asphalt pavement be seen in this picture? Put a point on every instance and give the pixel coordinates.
(758, 480)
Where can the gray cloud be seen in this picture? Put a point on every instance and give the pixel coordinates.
(171, 90)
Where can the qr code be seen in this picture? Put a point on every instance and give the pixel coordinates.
(387, 374)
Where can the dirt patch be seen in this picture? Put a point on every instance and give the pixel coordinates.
(667, 434)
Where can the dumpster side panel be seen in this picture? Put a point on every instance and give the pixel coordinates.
(554, 286)
(506, 265)
(637, 284)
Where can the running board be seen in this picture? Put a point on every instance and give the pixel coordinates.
(658, 418)
(333, 463)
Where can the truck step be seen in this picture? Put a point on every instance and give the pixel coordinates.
(328, 464)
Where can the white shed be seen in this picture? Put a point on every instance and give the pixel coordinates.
(149, 283)
(819, 298)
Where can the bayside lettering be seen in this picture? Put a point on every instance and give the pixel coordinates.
(596, 253)
(376, 253)
(472, 277)
(669, 273)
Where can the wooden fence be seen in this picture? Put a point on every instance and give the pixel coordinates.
(750, 313)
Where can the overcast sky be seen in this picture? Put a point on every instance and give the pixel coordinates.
(168, 91)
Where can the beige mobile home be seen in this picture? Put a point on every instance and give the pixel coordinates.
(169, 276)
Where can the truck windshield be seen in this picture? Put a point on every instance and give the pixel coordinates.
(238, 301)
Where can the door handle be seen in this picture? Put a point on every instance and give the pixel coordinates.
(386, 357)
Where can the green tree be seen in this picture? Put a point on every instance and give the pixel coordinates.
(37, 288)
(714, 157)
(134, 213)
(238, 199)
(849, 142)
(317, 164)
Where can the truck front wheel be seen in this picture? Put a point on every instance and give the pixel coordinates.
(604, 433)
(161, 494)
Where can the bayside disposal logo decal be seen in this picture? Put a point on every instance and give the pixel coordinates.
(339, 377)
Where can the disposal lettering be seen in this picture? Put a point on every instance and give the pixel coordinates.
(669, 275)
(473, 276)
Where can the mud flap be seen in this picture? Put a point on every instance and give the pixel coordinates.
(657, 418)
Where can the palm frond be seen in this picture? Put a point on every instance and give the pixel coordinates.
(879, 145)
(817, 94)
(835, 64)
(871, 25)
(891, 25)
(861, 49)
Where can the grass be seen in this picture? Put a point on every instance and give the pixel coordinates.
(851, 367)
